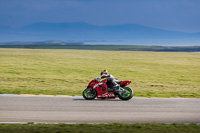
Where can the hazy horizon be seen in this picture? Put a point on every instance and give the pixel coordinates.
(175, 15)
(133, 22)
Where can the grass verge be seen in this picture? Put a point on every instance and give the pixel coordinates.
(100, 128)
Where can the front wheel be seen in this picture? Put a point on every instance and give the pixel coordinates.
(88, 95)
(127, 94)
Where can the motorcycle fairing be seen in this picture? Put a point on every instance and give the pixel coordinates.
(102, 91)
(101, 88)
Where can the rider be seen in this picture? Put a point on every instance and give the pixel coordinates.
(112, 79)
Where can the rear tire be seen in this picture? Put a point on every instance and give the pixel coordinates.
(88, 95)
(126, 96)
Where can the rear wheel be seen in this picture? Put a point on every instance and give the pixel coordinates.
(88, 95)
(127, 94)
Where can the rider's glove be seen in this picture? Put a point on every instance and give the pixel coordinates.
(97, 78)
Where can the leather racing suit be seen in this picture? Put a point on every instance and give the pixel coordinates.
(111, 79)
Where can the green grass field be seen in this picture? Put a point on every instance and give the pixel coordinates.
(67, 72)
(100, 128)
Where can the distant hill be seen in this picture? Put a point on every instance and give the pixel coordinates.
(79, 31)
(40, 45)
(48, 42)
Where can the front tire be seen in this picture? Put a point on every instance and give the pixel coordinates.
(88, 95)
(126, 96)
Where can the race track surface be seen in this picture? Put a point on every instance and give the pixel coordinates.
(60, 109)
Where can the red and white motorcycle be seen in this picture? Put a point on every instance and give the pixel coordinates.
(103, 89)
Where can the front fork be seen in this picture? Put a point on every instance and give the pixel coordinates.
(92, 91)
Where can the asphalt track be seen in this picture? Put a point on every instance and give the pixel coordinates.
(61, 109)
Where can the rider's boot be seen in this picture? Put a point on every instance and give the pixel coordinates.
(116, 88)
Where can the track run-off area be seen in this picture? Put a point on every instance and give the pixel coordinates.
(68, 109)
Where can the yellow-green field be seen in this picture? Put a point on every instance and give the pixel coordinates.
(67, 72)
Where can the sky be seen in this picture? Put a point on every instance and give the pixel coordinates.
(176, 15)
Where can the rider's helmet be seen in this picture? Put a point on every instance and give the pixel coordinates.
(104, 72)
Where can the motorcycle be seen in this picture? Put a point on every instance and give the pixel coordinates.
(103, 89)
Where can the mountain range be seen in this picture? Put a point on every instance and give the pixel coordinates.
(92, 34)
